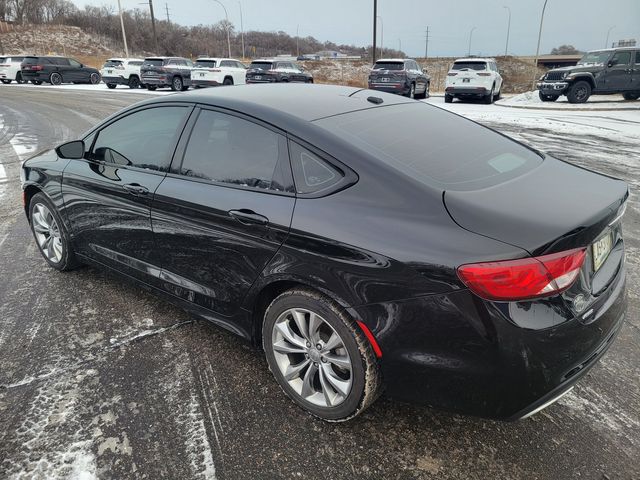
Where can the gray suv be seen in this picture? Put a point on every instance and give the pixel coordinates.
(600, 72)
(174, 72)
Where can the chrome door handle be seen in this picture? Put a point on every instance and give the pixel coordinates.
(135, 189)
(248, 217)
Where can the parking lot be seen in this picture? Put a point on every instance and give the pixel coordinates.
(100, 377)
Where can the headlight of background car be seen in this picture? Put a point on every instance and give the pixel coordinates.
(564, 75)
(542, 77)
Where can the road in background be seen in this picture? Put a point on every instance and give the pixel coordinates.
(100, 378)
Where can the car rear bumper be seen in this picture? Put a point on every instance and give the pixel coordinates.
(390, 87)
(156, 81)
(29, 75)
(552, 88)
(460, 353)
(115, 80)
(467, 91)
(205, 83)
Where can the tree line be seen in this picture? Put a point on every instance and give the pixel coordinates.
(173, 39)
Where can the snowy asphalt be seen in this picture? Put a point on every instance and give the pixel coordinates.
(99, 378)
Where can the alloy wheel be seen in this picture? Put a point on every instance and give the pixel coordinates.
(47, 233)
(95, 78)
(312, 357)
(56, 79)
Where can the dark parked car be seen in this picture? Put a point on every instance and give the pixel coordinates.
(402, 76)
(57, 70)
(359, 249)
(159, 72)
(273, 71)
(600, 72)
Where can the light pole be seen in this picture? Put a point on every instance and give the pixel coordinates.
(506, 46)
(470, 37)
(535, 63)
(227, 17)
(399, 45)
(375, 24)
(241, 29)
(297, 40)
(606, 43)
(381, 35)
(124, 35)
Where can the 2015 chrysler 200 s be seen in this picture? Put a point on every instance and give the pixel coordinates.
(365, 240)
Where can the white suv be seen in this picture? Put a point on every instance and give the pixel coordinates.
(122, 71)
(473, 77)
(211, 72)
(10, 69)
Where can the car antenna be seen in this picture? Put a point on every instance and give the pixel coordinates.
(376, 100)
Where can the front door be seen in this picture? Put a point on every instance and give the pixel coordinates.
(221, 215)
(108, 194)
(618, 74)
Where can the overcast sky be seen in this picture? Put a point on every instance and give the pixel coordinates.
(582, 23)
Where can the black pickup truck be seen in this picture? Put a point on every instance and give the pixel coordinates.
(600, 72)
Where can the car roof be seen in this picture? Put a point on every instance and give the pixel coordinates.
(123, 59)
(475, 59)
(289, 103)
(614, 49)
(217, 59)
(393, 59)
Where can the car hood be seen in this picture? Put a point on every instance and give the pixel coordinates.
(579, 68)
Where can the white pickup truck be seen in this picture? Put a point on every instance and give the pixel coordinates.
(122, 71)
(211, 72)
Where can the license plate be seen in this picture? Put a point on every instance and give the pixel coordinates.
(258, 77)
(384, 79)
(202, 74)
(466, 80)
(109, 71)
(601, 250)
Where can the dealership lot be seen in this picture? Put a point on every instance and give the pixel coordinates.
(101, 377)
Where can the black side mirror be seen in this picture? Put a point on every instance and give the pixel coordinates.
(71, 150)
(610, 64)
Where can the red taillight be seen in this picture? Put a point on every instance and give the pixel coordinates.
(37, 68)
(5, 65)
(525, 278)
(451, 74)
(484, 74)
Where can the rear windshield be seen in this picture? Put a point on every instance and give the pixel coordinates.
(156, 62)
(388, 66)
(30, 60)
(435, 147)
(261, 65)
(113, 63)
(469, 66)
(205, 63)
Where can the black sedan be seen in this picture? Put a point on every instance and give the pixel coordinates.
(57, 70)
(363, 240)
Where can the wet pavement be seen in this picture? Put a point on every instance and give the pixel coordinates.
(99, 378)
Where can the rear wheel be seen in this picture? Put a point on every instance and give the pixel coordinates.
(631, 95)
(488, 99)
(6, 81)
(50, 234)
(111, 85)
(319, 356)
(151, 88)
(579, 92)
(36, 82)
(55, 78)
(547, 98)
(94, 78)
(412, 91)
(177, 84)
(497, 96)
(448, 98)
(228, 81)
(19, 78)
(423, 94)
(134, 82)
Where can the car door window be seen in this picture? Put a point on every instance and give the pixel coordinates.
(311, 173)
(621, 58)
(227, 149)
(227, 63)
(74, 63)
(638, 57)
(143, 139)
(241, 65)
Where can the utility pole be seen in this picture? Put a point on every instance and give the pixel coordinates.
(153, 25)
(506, 47)
(241, 28)
(297, 40)
(426, 43)
(375, 25)
(399, 45)
(166, 8)
(381, 36)
(124, 35)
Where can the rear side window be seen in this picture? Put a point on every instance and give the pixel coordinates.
(311, 173)
(3, 59)
(451, 154)
(389, 66)
(144, 139)
(638, 57)
(113, 63)
(59, 61)
(227, 149)
(621, 58)
(227, 63)
(135, 63)
(469, 66)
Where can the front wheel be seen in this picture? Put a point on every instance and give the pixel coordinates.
(55, 79)
(227, 81)
(631, 95)
(176, 84)
(579, 92)
(94, 78)
(547, 98)
(319, 356)
(50, 234)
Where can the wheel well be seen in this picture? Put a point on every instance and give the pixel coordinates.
(584, 78)
(29, 192)
(133, 75)
(228, 77)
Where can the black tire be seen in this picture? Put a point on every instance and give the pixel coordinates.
(55, 79)
(497, 96)
(177, 84)
(134, 82)
(19, 78)
(631, 95)
(227, 81)
(111, 85)
(448, 98)
(68, 259)
(309, 80)
(151, 88)
(488, 99)
(579, 92)
(6, 81)
(94, 78)
(366, 381)
(412, 91)
(547, 98)
(36, 82)
(420, 96)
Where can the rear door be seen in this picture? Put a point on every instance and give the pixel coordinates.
(618, 73)
(223, 211)
(108, 194)
(635, 75)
